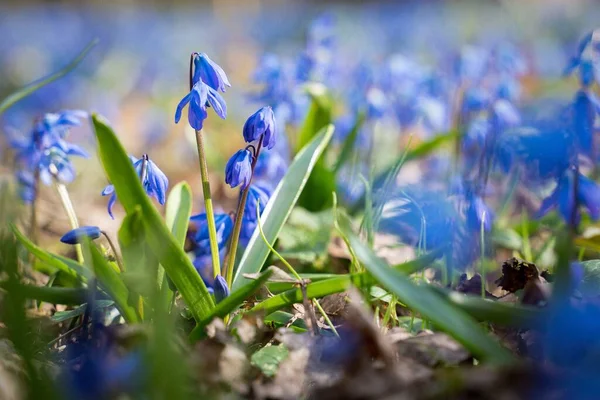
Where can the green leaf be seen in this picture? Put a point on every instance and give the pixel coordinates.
(110, 281)
(66, 265)
(52, 295)
(32, 87)
(422, 299)
(61, 316)
(230, 303)
(349, 143)
(280, 319)
(318, 116)
(130, 193)
(179, 211)
(316, 195)
(268, 359)
(280, 206)
(507, 238)
(338, 284)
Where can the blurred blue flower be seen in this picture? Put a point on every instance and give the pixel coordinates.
(98, 370)
(428, 219)
(201, 238)
(238, 170)
(274, 77)
(270, 168)
(585, 109)
(47, 152)
(154, 181)
(261, 124)
(569, 194)
(540, 150)
(74, 236)
(258, 194)
(584, 60)
(220, 288)
(199, 98)
(209, 72)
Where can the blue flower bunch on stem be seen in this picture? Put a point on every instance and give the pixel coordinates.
(207, 79)
(45, 156)
(259, 132)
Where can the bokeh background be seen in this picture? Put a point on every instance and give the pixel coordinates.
(138, 73)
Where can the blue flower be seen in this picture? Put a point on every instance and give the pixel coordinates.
(154, 181)
(427, 219)
(199, 98)
(224, 226)
(210, 73)
(47, 152)
(583, 60)
(74, 236)
(238, 170)
(257, 194)
(585, 109)
(270, 168)
(261, 124)
(276, 81)
(220, 288)
(565, 199)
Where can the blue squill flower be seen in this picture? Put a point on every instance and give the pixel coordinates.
(199, 98)
(428, 220)
(154, 181)
(210, 73)
(224, 227)
(261, 124)
(238, 170)
(565, 199)
(272, 73)
(257, 195)
(472, 205)
(583, 60)
(585, 109)
(74, 236)
(220, 288)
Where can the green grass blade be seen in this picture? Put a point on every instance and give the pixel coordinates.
(53, 295)
(280, 206)
(32, 87)
(230, 303)
(66, 265)
(493, 311)
(338, 284)
(130, 193)
(428, 303)
(110, 281)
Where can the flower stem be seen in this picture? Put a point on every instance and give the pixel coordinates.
(237, 225)
(114, 250)
(68, 206)
(208, 206)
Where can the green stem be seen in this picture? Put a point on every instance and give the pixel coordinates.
(482, 246)
(326, 317)
(114, 250)
(208, 206)
(237, 225)
(68, 206)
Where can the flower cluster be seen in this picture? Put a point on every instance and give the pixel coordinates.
(46, 153)
(154, 181)
(207, 81)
